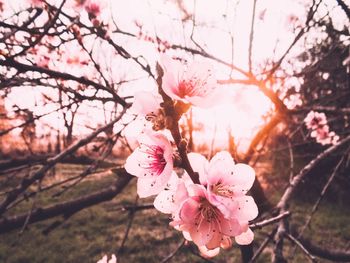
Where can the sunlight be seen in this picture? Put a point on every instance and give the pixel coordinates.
(243, 113)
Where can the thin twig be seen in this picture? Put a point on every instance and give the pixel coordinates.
(324, 190)
(296, 242)
(262, 246)
(269, 221)
(172, 254)
(128, 227)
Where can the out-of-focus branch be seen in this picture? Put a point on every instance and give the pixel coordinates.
(269, 221)
(335, 255)
(310, 15)
(262, 246)
(297, 242)
(257, 190)
(41, 159)
(69, 207)
(26, 182)
(344, 7)
(300, 176)
(34, 118)
(263, 132)
(128, 227)
(46, 29)
(56, 74)
(329, 109)
(251, 36)
(283, 228)
(323, 192)
(172, 254)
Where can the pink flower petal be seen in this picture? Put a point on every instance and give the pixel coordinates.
(209, 253)
(202, 234)
(198, 163)
(247, 209)
(145, 102)
(165, 200)
(243, 176)
(245, 238)
(148, 186)
(189, 210)
(230, 227)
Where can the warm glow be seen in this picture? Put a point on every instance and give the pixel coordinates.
(242, 112)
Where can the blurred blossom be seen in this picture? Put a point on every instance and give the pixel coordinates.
(104, 259)
(317, 123)
(36, 3)
(315, 120)
(93, 7)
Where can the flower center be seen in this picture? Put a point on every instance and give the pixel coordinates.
(192, 87)
(155, 159)
(157, 119)
(207, 211)
(315, 121)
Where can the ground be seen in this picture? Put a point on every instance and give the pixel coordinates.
(99, 230)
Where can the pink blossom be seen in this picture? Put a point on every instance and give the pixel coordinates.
(80, 3)
(205, 224)
(225, 243)
(36, 3)
(76, 60)
(169, 200)
(335, 138)
(320, 133)
(209, 253)
(315, 120)
(151, 162)
(93, 7)
(43, 61)
(245, 238)
(146, 103)
(149, 115)
(324, 136)
(104, 259)
(227, 184)
(195, 84)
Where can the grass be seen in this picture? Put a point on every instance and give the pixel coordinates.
(99, 230)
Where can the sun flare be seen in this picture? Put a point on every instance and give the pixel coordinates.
(242, 114)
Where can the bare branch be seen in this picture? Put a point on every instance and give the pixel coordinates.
(306, 252)
(26, 182)
(172, 254)
(269, 221)
(299, 177)
(69, 207)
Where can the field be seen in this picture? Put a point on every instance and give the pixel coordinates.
(99, 230)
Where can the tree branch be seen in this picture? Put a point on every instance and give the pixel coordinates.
(69, 207)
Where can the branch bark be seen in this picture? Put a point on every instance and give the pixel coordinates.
(26, 182)
(299, 177)
(69, 207)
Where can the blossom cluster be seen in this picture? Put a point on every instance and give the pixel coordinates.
(316, 122)
(162, 45)
(92, 7)
(213, 210)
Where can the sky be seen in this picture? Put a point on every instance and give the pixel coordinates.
(222, 28)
